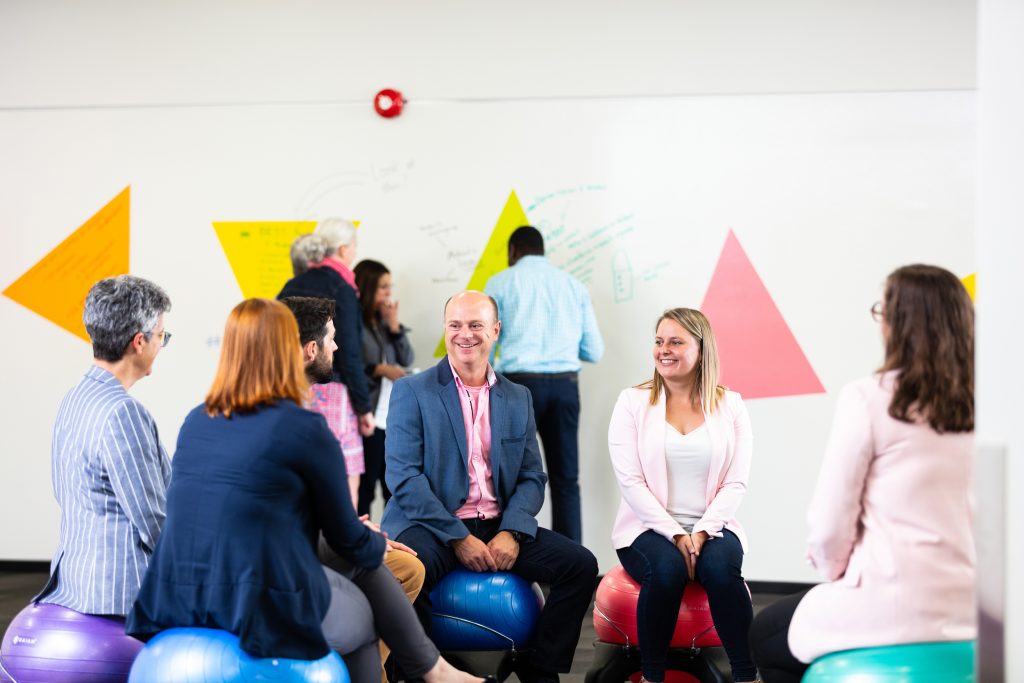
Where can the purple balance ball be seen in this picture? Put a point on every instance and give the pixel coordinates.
(53, 644)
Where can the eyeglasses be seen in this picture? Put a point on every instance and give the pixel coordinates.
(876, 311)
(165, 338)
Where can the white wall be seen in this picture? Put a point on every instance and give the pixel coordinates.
(107, 52)
(1000, 236)
(85, 86)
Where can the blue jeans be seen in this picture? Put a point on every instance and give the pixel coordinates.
(556, 407)
(657, 565)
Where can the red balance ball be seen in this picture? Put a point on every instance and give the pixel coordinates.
(615, 613)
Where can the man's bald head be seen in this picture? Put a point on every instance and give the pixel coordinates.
(472, 296)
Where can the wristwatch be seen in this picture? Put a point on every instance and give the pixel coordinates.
(519, 536)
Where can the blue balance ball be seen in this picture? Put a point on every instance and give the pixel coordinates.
(484, 611)
(203, 655)
(949, 662)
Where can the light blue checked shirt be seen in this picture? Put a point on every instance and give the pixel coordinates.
(110, 477)
(547, 321)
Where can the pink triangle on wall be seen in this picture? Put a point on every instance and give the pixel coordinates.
(760, 357)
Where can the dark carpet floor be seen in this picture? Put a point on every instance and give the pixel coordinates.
(16, 588)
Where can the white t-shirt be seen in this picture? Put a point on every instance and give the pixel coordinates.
(689, 460)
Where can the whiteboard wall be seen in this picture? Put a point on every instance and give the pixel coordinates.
(826, 193)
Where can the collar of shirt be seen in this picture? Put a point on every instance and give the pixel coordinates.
(102, 376)
(491, 378)
(341, 269)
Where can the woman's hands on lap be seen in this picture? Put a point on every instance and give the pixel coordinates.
(689, 545)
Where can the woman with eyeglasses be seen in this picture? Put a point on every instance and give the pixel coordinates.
(891, 514)
(680, 445)
(255, 479)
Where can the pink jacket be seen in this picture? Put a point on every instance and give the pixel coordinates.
(890, 525)
(636, 440)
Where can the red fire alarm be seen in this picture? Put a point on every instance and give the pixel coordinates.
(388, 103)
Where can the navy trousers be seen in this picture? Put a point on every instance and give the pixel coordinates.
(556, 407)
(657, 565)
(373, 456)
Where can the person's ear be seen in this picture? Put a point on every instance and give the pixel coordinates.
(310, 350)
(137, 341)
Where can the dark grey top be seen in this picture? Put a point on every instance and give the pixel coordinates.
(381, 346)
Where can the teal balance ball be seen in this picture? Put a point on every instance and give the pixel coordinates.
(948, 662)
(204, 655)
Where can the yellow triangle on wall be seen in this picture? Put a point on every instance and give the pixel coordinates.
(494, 258)
(258, 252)
(970, 282)
(57, 285)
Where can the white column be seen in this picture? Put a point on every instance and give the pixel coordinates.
(1000, 306)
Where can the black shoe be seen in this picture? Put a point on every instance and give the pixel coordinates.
(528, 673)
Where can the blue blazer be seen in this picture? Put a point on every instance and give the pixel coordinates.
(427, 457)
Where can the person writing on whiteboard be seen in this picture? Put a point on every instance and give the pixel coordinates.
(680, 446)
(548, 327)
(110, 471)
(345, 400)
(891, 514)
(386, 354)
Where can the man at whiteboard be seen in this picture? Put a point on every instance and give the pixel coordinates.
(547, 327)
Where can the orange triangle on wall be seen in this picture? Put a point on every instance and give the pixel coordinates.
(760, 357)
(56, 286)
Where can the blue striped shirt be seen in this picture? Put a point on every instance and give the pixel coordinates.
(547, 320)
(110, 477)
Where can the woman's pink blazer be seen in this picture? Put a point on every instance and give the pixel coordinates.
(636, 440)
(890, 530)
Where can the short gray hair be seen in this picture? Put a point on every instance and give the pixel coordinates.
(307, 249)
(335, 232)
(118, 308)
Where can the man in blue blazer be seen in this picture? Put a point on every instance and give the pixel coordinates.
(465, 472)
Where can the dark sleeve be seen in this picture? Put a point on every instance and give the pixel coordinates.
(322, 466)
(348, 359)
(402, 348)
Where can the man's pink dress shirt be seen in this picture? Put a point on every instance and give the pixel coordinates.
(481, 503)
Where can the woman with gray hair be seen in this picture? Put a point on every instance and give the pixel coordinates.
(110, 472)
(345, 400)
(305, 251)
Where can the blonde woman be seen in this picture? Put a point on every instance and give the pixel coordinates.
(680, 445)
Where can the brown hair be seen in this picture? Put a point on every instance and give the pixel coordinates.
(260, 360)
(368, 274)
(706, 388)
(930, 342)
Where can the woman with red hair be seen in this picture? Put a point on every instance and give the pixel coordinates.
(255, 481)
